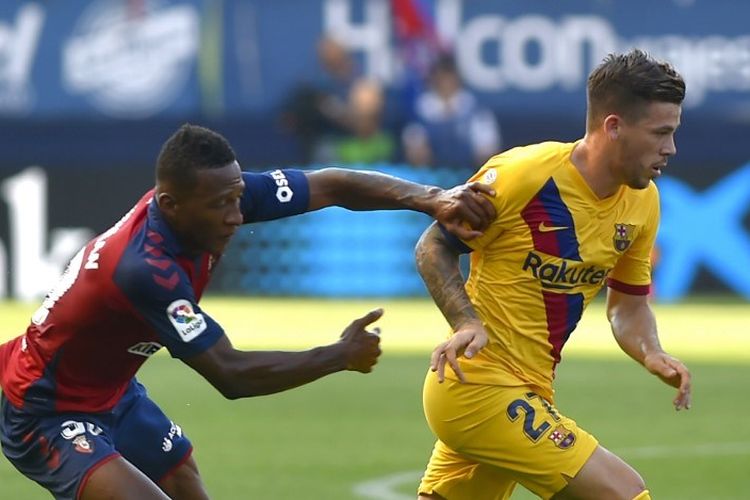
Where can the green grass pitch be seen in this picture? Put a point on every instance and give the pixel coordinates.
(351, 433)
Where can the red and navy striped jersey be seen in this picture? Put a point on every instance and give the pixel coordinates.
(125, 294)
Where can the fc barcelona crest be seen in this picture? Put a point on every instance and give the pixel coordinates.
(562, 437)
(623, 236)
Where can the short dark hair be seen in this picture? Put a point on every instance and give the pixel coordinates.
(189, 149)
(624, 84)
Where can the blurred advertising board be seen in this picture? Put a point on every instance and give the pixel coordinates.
(135, 59)
(47, 215)
(89, 89)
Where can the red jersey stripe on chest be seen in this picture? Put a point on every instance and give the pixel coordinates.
(551, 223)
(563, 313)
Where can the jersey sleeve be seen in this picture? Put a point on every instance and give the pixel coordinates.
(517, 175)
(632, 273)
(494, 174)
(273, 195)
(164, 298)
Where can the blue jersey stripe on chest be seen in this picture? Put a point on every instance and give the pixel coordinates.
(563, 313)
(551, 223)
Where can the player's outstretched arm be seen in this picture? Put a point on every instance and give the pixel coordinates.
(634, 327)
(238, 374)
(362, 190)
(438, 264)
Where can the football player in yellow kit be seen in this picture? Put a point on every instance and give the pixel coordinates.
(570, 219)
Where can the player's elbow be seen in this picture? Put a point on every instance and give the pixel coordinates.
(421, 252)
(432, 249)
(226, 369)
(225, 387)
(238, 391)
(232, 385)
(230, 393)
(233, 392)
(425, 247)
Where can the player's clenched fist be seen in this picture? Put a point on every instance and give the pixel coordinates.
(362, 347)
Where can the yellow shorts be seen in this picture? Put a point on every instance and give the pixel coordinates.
(492, 437)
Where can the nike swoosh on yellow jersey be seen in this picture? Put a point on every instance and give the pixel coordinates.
(548, 229)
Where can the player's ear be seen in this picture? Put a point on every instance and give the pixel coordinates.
(612, 124)
(167, 203)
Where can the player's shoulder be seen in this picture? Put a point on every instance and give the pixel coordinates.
(525, 165)
(539, 153)
(148, 267)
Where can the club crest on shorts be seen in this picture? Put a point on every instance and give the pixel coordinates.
(82, 445)
(623, 237)
(562, 437)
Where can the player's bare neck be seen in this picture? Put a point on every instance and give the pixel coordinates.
(184, 240)
(594, 165)
(188, 247)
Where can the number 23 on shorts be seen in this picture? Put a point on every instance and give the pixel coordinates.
(561, 436)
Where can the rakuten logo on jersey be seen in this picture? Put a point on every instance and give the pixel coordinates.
(283, 192)
(563, 276)
(187, 322)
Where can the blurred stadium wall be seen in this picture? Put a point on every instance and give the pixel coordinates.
(89, 89)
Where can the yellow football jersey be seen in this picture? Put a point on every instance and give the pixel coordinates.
(551, 248)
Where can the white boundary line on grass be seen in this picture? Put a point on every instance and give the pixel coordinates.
(383, 488)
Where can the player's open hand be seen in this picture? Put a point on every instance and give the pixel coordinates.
(362, 347)
(673, 372)
(467, 203)
(466, 341)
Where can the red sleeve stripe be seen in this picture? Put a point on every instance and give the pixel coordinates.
(629, 289)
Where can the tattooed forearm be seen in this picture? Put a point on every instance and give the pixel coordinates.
(439, 266)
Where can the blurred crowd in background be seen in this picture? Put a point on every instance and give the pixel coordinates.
(424, 89)
(351, 119)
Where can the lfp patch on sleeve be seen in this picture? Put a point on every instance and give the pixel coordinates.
(187, 322)
(490, 176)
